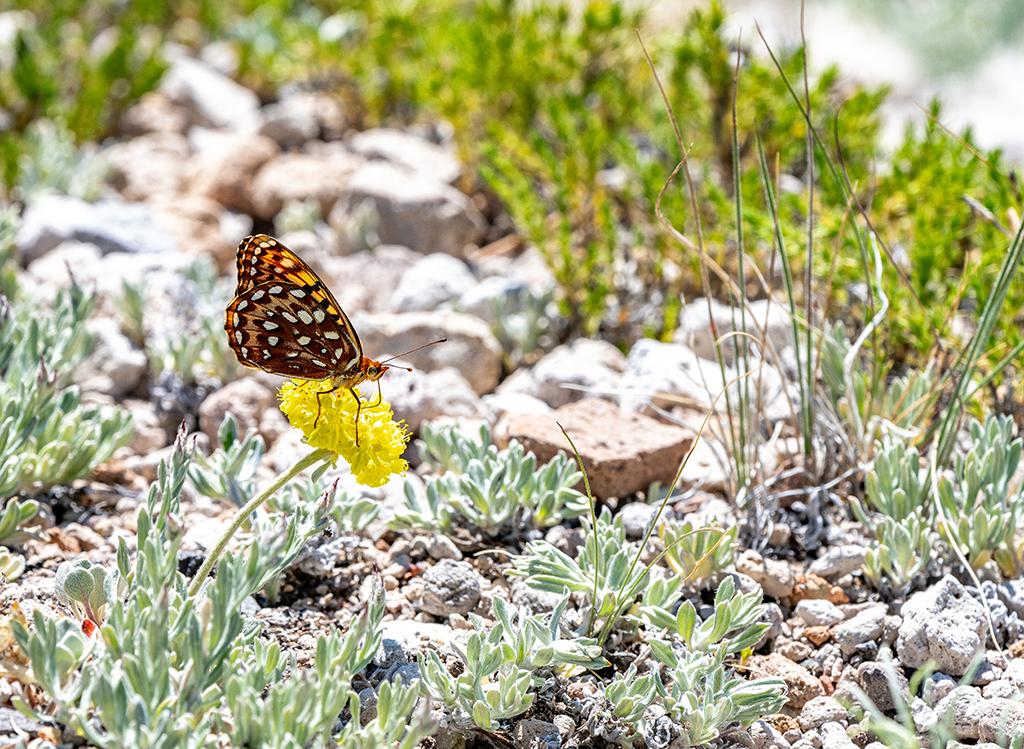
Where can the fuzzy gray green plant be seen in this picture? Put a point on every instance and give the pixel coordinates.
(501, 662)
(48, 436)
(495, 491)
(172, 669)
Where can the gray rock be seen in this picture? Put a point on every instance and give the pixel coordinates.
(944, 624)
(585, 363)
(636, 517)
(1000, 720)
(431, 282)
(486, 298)
(419, 396)
(290, 123)
(1014, 671)
(865, 627)
(838, 561)
(822, 710)
(819, 612)
(999, 688)
(442, 547)
(879, 681)
(471, 348)
(924, 717)
(764, 735)
(412, 209)
(109, 225)
(538, 601)
(114, 367)
(1012, 594)
(409, 151)
(834, 736)
(450, 587)
(536, 734)
(212, 99)
(958, 708)
(13, 720)
(936, 687)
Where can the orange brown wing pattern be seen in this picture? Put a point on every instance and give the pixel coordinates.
(284, 319)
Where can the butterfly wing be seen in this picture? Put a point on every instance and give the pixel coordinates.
(284, 319)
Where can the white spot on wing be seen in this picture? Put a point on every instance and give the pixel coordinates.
(297, 293)
(331, 335)
(319, 314)
(318, 362)
(245, 352)
(303, 340)
(289, 317)
(242, 305)
(258, 295)
(238, 337)
(267, 325)
(272, 340)
(292, 354)
(305, 317)
(275, 290)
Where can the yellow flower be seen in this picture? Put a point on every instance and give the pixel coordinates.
(382, 440)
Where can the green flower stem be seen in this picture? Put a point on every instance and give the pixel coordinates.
(218, 551)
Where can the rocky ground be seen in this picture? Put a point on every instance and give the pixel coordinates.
(412, 257)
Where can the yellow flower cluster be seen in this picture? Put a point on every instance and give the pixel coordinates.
(382, 440)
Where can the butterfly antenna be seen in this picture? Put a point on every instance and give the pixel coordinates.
(412, 350)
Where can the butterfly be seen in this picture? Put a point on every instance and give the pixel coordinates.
(284, 320)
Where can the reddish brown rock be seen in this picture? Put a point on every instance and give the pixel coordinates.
(801, 685)
(623, 452)
(818, 635)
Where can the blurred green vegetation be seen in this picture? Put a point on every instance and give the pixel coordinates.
(559, 114)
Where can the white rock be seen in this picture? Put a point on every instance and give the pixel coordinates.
(834, 736)
(412, 209)
(821, 710)
(584, 362)
(430, 282)
(407, 150)
(695, 326)
(943, 623)
(670, 374)
(864, 627)
(817, 612)
(212, 98)
(110, 225)
(838, 561)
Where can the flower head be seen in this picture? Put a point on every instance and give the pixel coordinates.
(382, 440)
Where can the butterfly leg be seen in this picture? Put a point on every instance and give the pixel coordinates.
(380, 397)
(359, 408)
(319, 394)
